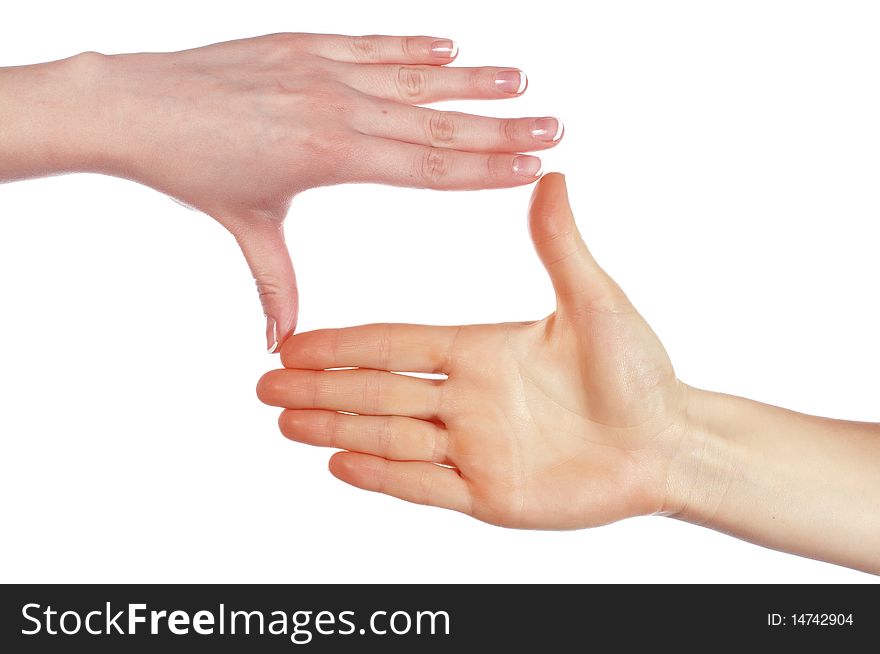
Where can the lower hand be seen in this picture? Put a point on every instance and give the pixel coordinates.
(574, 421)
(571, 421)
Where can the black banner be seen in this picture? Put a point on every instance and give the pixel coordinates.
(325, 618)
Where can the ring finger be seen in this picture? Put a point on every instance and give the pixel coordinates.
(391, 437)
(459, 131)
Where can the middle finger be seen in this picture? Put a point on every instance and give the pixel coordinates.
(369, 392)
(422, 84)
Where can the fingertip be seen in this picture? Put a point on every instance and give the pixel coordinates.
(291, 318)
(272, 338)
(353, 468)
(267, 387)
(307, 349)
(277, 335)
(550, 215)
(337, 465)
(287, 423)
(555, 179)
(289, 349)
(281, 312)
(548, 130)
(364, 471)
(279, 300)
(511, 82)
(525, 165)
(445, 49)
(548, 190)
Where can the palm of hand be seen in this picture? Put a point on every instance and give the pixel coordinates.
(551, 424)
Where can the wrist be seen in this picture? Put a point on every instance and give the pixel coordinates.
(89, 117)
(50, 118)
(704, 462)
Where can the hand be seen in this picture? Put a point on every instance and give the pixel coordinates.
(571, 421)
(237, 129)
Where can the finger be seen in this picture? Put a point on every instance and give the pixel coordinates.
(457, 131)
(404, 348)
(263, 245)
(577, 278)
(413, 481)
(391, 437)
(376, 49)
(371, 392)
(423, 84)
(422, 166)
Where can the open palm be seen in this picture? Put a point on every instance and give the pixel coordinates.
(562, 423)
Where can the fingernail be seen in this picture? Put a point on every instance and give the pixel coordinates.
(511, 81)
(527, 166)
(547, 129)
(444, 48)
(271, 335)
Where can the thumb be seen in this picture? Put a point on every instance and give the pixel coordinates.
(267, 256)
(578, 280)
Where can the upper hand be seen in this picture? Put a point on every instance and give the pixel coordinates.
(237, 129)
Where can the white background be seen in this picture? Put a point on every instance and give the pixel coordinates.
(723, 159)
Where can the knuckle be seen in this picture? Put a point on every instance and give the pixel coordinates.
(332, 149)
(336, 146)
(334, 338)
(433, 167)
(364, 47)
(385, 437)
(411, 82)
(373, 390)
(438, 445)
(269, 287)
(411, 47)
(497, 166)
(426, 486)
(335, 428)
(438, 395)
(385, 347)
(326, 98)
(441, 128)
(509, 131)
(476, 79)
(382, 480)
(283, 44)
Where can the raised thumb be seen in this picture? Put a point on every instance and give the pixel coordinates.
(578, 280)
(267, 256)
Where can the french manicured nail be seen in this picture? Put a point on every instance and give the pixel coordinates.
(547, 129)
(444, 49)
(511, 81)
(527, 166)
(271, 335)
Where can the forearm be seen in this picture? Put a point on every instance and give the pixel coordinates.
(782, 479)
(50, 119)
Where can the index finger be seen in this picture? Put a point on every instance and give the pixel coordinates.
(379, 49)
(396, 347)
